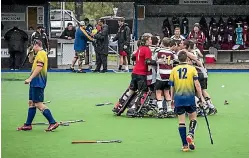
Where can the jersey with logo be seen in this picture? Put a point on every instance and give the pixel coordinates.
(164, 69)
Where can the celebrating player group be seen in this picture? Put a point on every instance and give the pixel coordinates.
(169, 79)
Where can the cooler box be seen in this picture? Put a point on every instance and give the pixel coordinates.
(210, 58)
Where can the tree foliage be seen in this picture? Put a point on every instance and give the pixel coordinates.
(91, 10)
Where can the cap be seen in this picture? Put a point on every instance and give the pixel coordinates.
(82, 23)
(197, 25)
(147, 34)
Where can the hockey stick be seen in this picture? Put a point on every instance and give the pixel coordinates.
(75, 121)
(101, 104)
(95, 141)
(209, 131)
(45, 123)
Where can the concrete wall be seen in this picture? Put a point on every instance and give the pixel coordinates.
(14, 9)
(155, 14)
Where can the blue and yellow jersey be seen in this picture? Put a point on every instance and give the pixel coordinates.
(41, 59)
(182, 80)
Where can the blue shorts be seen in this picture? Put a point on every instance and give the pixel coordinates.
(36, 94)
(179, 110)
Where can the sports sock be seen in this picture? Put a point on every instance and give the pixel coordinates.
(209, 103)
(31, 115)
(48, 116)
(192, 127)
(120, 67)
(182, 132)
(160, 105)
(126, 67)
(169, 108)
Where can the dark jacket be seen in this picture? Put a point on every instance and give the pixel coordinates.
(39, 36)
(102, 41)
(16, 39)
(123, 37)
(68, 33)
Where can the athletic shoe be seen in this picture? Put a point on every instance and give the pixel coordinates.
(170, 114)
(185, 149)
(24, 128)
(212, 111)
(116, 110)
(103, 71)
(131, 112)
(52, 127)
(81, 71)
(191, 143)
(72, 69)
(96, 70)
(160, 114)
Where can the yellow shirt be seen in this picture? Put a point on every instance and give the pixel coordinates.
(41, 59)
(182, 80)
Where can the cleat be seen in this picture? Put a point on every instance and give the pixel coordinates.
(190, 141)
(81, 71)
(131, 112)
(52, 127)
(170, 114)
(212, 111)
(115, 110)
(160, 114)
(72, 69)
(185, 149)
(24, 128)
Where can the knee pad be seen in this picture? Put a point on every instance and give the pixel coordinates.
(127, 97)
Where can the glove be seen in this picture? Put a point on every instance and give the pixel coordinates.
(125, 46)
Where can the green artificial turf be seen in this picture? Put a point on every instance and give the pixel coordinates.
(73, 96)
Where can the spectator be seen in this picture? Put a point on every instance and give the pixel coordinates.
(198, 36)
(69, 32)
(123, 38)
(81, 38)
(16, 39)
(40, 34)
(89, 29)
(101, 46)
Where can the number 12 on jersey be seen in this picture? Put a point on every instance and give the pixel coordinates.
(182, 73)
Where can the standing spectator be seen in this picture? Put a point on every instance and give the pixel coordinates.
(123, 38)
(89, 29)
(40, 34)
(198, 36)
(16, 39)
(81, 38)
(101, 46)
(69, 32)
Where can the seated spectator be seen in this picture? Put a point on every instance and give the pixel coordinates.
(69, 32)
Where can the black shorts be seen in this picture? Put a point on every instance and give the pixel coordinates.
(202, 80)
(179, 110)
(138, 82)
(36, 94)
(162, 85)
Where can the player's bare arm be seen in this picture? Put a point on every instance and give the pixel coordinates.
(193, 57)
(34, 73)
(199, 91)
(31, 57)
